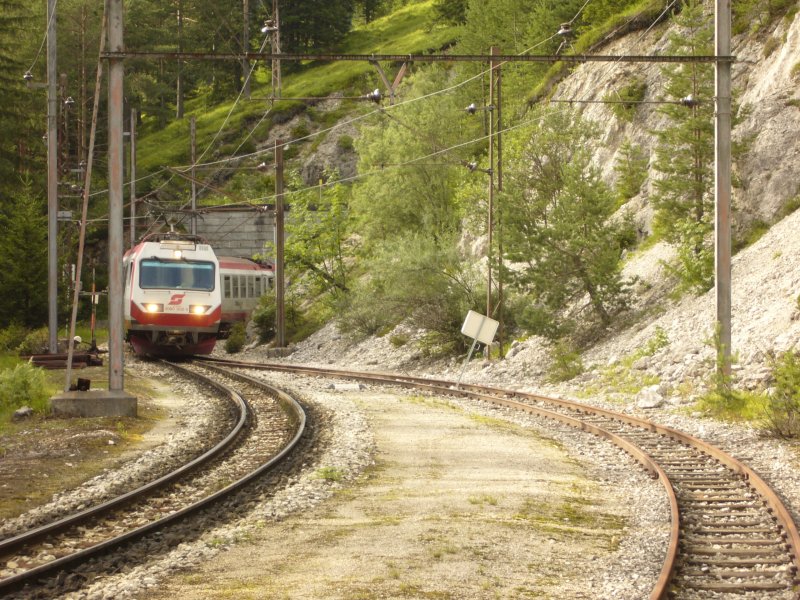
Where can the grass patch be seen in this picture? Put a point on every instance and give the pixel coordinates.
(411, 29)
(734, 406)
(483, 500)
(576, 516)
(621, 377)
(330, 474)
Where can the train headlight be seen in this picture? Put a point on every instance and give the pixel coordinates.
(199, 309)
(154, 308)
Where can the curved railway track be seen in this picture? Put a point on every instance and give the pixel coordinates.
(730, 532)
(245, 453)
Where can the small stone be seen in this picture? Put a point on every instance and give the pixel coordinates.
(649, 397)
(23, 413)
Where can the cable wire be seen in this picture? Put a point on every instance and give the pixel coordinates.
(44, 39)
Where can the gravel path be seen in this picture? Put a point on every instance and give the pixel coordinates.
(461, 503)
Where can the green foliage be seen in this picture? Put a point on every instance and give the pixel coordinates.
(330, 473)
(314, 24)
(566, 362)
(770, 46)
(299, 325)
(684, 200)
(659, 340)
(24, 385)
(755, 15)
(452, 11)
(35, 342)
(23, 285)
(782, 416)
(407, 30)
(631, 170)
(734, 405)
(22, 112)
(412, 278)
(12, 336)
(623, 102)
(300, 130)
(398, 340)
(264, 317)
(371, 9)
(365, 311)
(236, 339)
(754, 232)
(592, 32)
(601, 11)
(789, 207)
(317, 242)
(694, 263)
(557, 226)
(344, 142)
(723, 399)
(413, 195)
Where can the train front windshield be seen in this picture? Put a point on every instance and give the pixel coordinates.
(176, 275)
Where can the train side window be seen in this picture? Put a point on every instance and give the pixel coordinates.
(259, 291)
(235, 280)
(226, 288)
(251, 289)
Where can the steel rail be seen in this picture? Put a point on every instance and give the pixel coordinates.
(286, 401)
(12, 543)
(500, 396)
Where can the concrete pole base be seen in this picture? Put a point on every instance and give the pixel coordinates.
(94, 403)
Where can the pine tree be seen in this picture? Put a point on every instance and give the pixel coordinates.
(631, 170)
(23, 261)
(684, 199)
(558, 225)
(18, 147)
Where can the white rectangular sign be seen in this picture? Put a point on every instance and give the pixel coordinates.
(479, 327)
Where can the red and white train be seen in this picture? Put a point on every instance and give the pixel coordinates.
(180, 297)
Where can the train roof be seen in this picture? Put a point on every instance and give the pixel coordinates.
(241, 264)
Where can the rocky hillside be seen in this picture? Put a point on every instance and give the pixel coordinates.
(671, 345)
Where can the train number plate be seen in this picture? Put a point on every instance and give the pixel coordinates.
(176, 309)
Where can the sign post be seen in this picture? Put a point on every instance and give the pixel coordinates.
(481, 329)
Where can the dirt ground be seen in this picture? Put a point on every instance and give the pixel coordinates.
(457, 506)
(40, 456)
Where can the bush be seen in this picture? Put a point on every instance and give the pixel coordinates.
(300, 130)
(399, 340)
(783, 405)
(366, 311)
(35, 342)
(345, 142)
(236, 338)
(264, 318)
(297, 325)
(11, 337)
(23, 385)
(421, 282)
(567, 363)
(625, 101)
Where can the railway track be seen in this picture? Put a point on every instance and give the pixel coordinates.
(730, 532)
(266, 426)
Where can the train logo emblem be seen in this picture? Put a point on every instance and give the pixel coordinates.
(176, 299)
